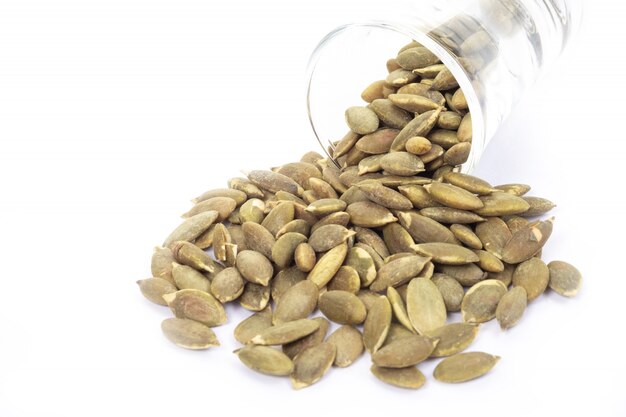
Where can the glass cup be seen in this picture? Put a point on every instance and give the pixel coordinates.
(496, 49)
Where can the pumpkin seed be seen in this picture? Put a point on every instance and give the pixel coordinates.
(446, 253)
(162, 263)
(305, 257)
(239, 196)
(342, 307)
(223, 205)
(186, 277)
(274, 182)
(328, 265)
(255, 297)
(565, 279)
(481, 300)
(451, 215)
(348, 344)
(401, 163)
(470, 183)
(329, 236)
(385, 196)
(361, 120)
(453, 196)
(265, 360)
(192, 227)
(466, 235)
(511, 307)
(258, 238)
(377, 324)
(346, 279)
(252, 326)
(416, 57)
(368, 214)
(501, 204)
(453, 338)
(424, 229)
(425, 305)
(533, 275)
(398, 272)
(227, 285)
(298, 302)
(410, 377)
(451, 291)
(292, 349)
(404, 352)
(255, 267)
(525, 243)
(311, 364)
(155, 288)
(464, 367)
(285, 332)
(398, 308)
(196, 305)
(189, 334)
(389, 114)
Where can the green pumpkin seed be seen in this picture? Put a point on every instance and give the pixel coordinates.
(239, 196)
(418, 145)
(285, 332)
(311, 364)
(300, 172)
(464, 367)
(155, 288)
(515, 189)
(373, 91)
(377, 325)
(255, 267)
(469, 183)
(457, 154)
(449, 120)
(453, 338)
(533, 275)
(186, 277)
(292, 349)
(451, 291)
(466, 275)
(305, 257)
(446, 253)
(162, 263)
(279, 216)
(525, 243)
(244, 185)
(326, 206)
(361, 120)
(401, 163)
(378, 142)
(329, 236)
(372, 239)
(425, 305)
(502, 204)
(419, 126)
(489, 262)
(400, 77)
(466, 235)
(444, 81)
(192, 227)
(223, 205)
(346, 279)
(385, 196)
(189, 334)
(258, 238)
(389, 114)
(397, 239)
(481, 300)
(265, 360)
(361, 261)
(398, 272)
(348, 343)
(565, 279)
(424, 229)
(298, 302)
(410, 377)
(444, 138)
(494, 234)
(252, 210)
(284, 280)
(227, 285)
(404, 352)
(416, 57)
(451, 215)
(274, 182)
(342, 307)
(453, 196)
(419, 197)
(511, 307)
(196, 305)
(368, 214)
(252, 326)
(398, 308)
(413, 103)
(328, 265)
(255, 297)
(283, 251)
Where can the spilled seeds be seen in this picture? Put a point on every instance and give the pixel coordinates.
(368, 251)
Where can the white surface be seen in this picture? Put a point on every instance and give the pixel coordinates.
(113, 114)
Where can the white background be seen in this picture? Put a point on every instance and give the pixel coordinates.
(113, 114)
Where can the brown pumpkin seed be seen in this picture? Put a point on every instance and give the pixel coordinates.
(373, 91)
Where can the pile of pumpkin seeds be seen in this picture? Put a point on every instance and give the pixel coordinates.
(387, 246)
